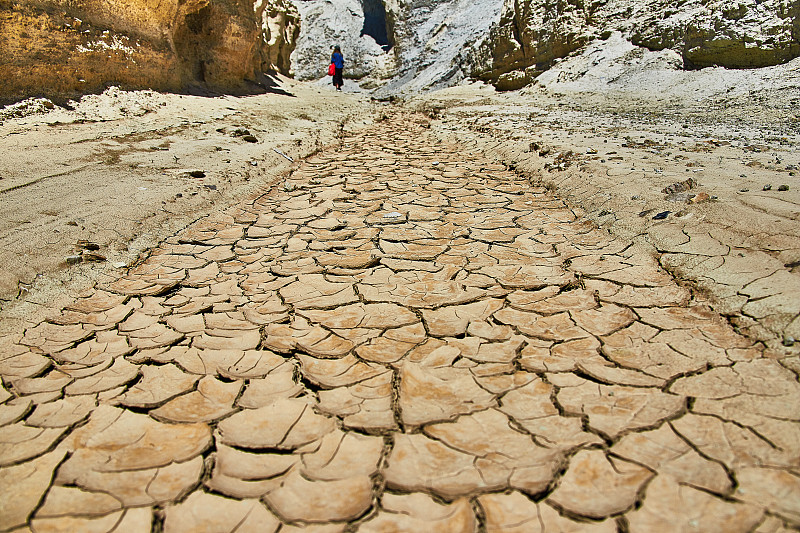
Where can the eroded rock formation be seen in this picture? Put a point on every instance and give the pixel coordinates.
(65, 47)
(280, 29)
(59, 48)
(434, 39)
(532, 34)
(394, 46)
(403, 46)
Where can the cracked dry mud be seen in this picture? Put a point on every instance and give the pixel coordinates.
(731, 235)
(403, 336)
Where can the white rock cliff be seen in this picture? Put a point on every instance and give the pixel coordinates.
(394, 46)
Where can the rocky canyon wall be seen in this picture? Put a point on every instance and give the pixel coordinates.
(532, 34)
(63, 48)
(344, 23)
(393, 46)
(280, 29)
(432, 43)
(434, 38)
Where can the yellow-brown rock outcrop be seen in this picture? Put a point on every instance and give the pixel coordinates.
(61, 48)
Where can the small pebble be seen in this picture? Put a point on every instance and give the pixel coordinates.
(95, 258)
(87, 245)
(767, 187)
(661, 216)
(783, 188)
(788, 340)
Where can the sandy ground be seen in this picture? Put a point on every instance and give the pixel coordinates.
(116, 172)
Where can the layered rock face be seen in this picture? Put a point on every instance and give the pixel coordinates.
(735, 34)
(532, 34)
(436, 38)
(280, 29)
(394, 46)
(60, 48)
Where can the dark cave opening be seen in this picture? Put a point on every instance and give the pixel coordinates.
(198, 21)
(375, 23)
(194, 39)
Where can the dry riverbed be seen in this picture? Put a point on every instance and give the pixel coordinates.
(707, 183)
(315, 311)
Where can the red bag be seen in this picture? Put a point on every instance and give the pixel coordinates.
(331, 69)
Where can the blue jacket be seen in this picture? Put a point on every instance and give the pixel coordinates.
(338, 60)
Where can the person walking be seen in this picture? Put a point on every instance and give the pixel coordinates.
(337, 59)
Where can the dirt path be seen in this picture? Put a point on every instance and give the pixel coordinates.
(402, 336)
